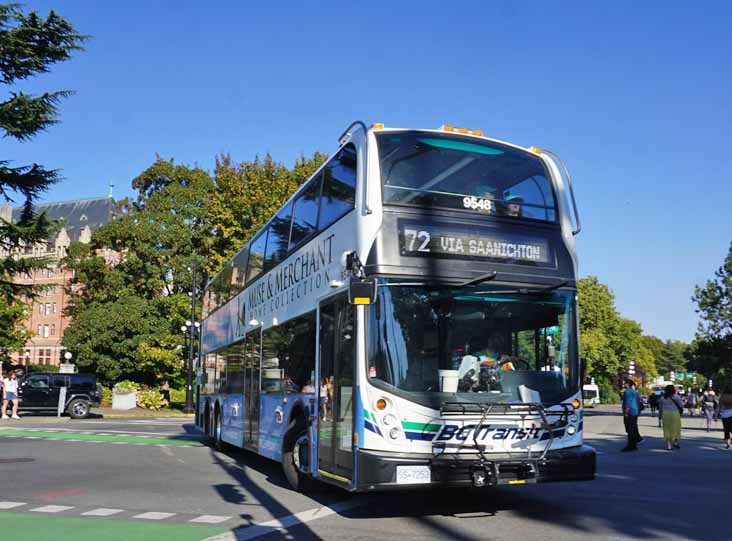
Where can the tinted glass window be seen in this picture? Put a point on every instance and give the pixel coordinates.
(256, 256)
(288, 356)
(305, 221)
(37, 382)
(58, 381)
(339, 186)
(464, 173)
(86, 383)
(279, 234)
(235, 369)
(239, 272)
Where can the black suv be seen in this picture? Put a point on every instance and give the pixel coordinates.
(41, 392)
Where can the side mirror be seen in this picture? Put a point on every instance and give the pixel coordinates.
(362, 291)
(583, 369)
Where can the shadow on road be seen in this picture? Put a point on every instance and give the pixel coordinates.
(630, 499)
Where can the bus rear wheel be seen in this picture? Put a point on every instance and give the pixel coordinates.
(216, 441)
(296, 457)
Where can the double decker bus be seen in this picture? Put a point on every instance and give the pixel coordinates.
(407, 318)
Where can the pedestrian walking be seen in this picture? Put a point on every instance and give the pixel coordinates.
(691, 402)
(631, 410)
(671, 408)
(709, 407)
(724, 412)
(653, 403)
(10, 394)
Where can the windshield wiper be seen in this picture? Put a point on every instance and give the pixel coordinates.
(548, 288)
(525, 290)
(479, 280)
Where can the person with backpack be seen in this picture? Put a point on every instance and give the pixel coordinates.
(631, 411)
(671, 408)
(724, 412)
(709, 407)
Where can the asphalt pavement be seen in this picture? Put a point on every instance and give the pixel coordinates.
(154, 477)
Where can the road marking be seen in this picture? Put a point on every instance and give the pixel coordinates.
(613, 476)
(209, 519)
(10, 505)
(52, 508)
(95, 438)
(102, 512)
(154, 515)
(282, 524)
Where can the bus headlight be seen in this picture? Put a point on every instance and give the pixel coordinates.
(389, 419)
(573, 418)
(571, 430)
(395, 433)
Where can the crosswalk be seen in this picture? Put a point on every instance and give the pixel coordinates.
(105, 512)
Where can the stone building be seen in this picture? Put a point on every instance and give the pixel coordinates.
(46, 319)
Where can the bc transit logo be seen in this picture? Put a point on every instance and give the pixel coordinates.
(484, 432)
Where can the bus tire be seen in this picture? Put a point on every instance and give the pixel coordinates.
(216, 441)
(296, 456)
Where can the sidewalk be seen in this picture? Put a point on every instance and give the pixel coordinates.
(109, 413)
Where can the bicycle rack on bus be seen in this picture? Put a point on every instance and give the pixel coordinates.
(490, 467)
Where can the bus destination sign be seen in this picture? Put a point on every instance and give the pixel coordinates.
(443, 240)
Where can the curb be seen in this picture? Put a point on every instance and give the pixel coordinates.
(146, 415)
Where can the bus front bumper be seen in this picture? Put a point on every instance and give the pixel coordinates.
(379, 470)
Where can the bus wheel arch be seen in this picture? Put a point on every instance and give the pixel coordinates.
(217, 428)
(296, 451)
(206, 421)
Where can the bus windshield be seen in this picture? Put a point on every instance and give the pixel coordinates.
(473, 344)
(428, 169)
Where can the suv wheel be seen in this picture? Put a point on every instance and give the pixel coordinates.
(78, 409)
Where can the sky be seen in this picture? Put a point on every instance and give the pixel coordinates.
(634, 96)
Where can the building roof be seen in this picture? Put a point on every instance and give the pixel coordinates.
(77, 214)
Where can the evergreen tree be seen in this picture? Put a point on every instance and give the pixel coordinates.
(29, 45)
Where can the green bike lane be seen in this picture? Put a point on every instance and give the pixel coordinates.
(100, 437)
(31, 527)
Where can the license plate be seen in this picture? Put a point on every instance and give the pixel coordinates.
(411, 475)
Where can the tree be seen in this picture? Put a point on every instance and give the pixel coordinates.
(672, 357)
(597, 318)
(127, 316)
(607, 341)
(247, 195)
(711, 351)
(29, 45)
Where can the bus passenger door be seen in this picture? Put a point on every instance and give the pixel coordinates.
(336, 389)
(252, 352)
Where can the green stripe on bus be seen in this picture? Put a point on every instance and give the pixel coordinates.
(422, 427)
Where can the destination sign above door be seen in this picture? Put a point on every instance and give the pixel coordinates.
(453, 240)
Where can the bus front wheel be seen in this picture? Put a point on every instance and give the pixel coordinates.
(296, 457)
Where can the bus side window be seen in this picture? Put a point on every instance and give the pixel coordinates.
(256, 256)
(277, 239)
(305, 213)
(288, 356)
(339, 187)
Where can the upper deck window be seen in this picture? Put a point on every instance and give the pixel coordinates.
(279, 235)
(339, 186)
(462, 173)
(305, 220)
(256, 256)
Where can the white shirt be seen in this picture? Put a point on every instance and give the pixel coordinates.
(11, 385)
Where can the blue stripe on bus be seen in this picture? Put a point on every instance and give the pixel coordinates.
(371, 427)
(429, 436)
(557, 434)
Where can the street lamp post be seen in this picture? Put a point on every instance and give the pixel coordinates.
(190, 328)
